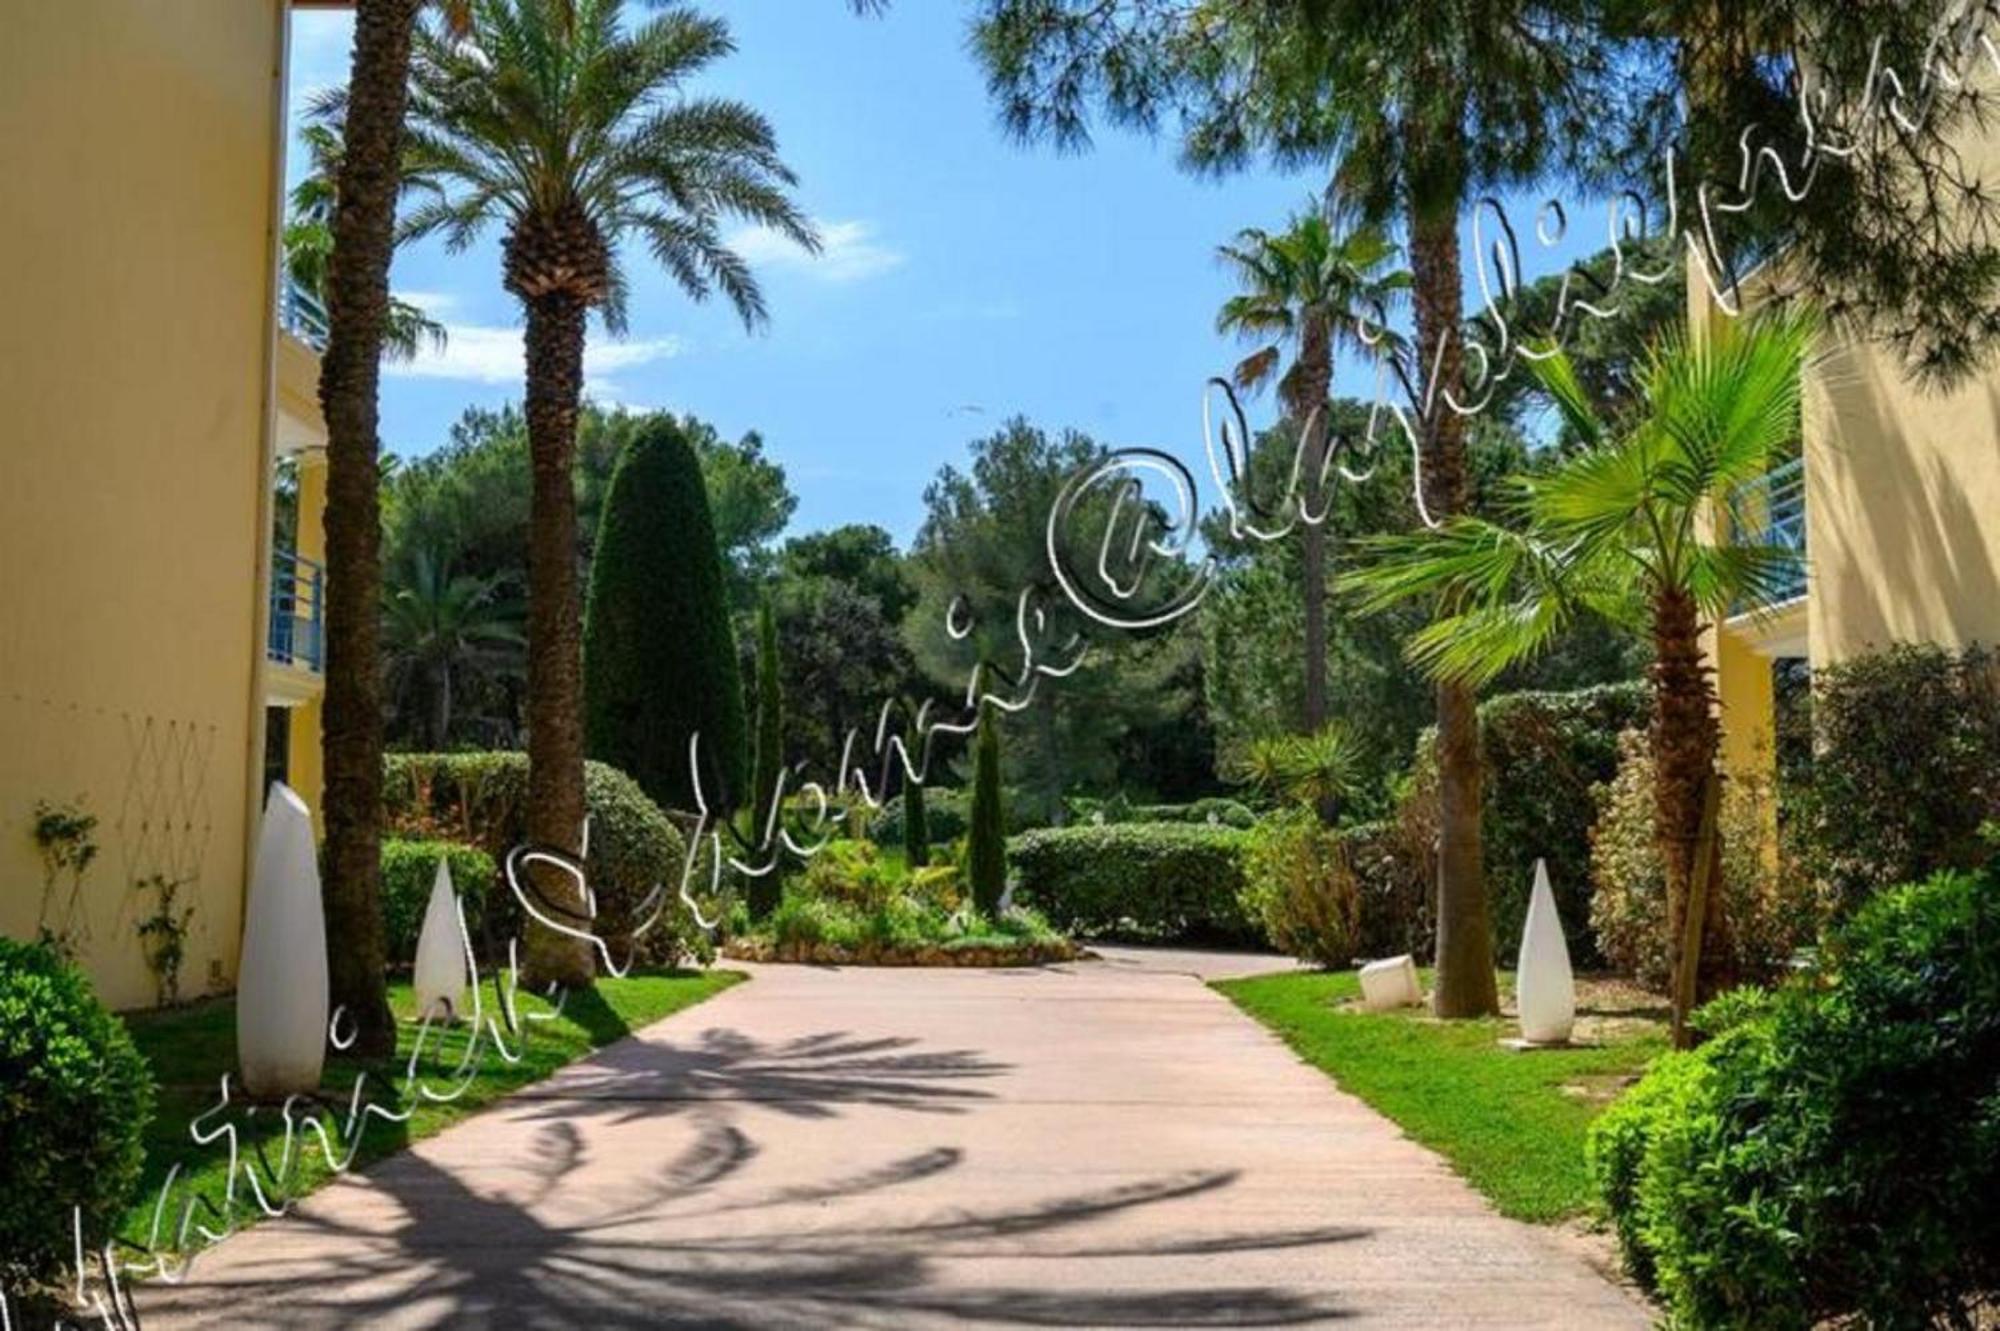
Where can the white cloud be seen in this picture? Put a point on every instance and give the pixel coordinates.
(490, 354)
(849, 251)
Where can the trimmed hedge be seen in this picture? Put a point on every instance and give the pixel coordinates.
(75, 1098)
(408, 870)
(659, 652)
(1178, 881)
(1905, 767)
(481, 799)
(1832, 1155)
(1542, 755)
(1228, 812)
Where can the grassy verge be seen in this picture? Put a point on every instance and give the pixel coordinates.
(1513, 1124)
(190, 1048)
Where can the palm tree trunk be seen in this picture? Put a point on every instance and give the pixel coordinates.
(1309, 409)
(1683, 741)
(555, 637)
(441, 716)
(350, 371)
(1465, 985)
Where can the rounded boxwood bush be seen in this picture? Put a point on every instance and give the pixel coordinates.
(75, 1098)
(1144, 880)
(1832, 1155)
(408, 870)
(481, 799)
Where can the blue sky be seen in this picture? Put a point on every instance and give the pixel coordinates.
(965, 278)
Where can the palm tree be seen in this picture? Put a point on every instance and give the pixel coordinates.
(575, 132)
(440, 628)
(1307, 290)
(361, 222)
(1628, 527)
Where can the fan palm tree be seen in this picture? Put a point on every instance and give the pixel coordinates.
(441, 629)
(1307, 291)
(574, 131)
(1627, 527)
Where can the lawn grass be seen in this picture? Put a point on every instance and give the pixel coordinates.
(190, 1048)
(1503, 1119)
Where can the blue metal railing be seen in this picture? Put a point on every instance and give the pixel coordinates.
(1772, 511)
(298, 612)
(302, 315)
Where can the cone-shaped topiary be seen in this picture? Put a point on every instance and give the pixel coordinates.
(916, 827)
(986, 852)
(659, 656)
(764, 890)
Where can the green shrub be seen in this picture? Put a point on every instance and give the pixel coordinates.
(1768, 905)
(75, 1098)
(986, 839)
(480, 799)
(1832, 1154)
(1395, 886)
(1178, 881)
(916, 827)
(1299, 886)
(659, 653)
(946, 818)
(1228, 812)
(1905, 767)
(408, 870)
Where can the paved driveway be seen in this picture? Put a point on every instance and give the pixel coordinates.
(1105, 1143)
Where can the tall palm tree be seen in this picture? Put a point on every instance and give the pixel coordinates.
(1305, 291)
(362, 223)
(575, 132)
(440, 629)
(1628, 527)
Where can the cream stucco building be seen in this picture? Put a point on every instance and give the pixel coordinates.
(147, 390)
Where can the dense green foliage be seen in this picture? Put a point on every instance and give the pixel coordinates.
(73, 1113)
(1834, 1150)
(659, 651)
(1155, 881)
(480, 799)
(1213, 808)
(768, 754)
(1905, 767)
(1513, 1125)
(986, 837)
(1767, 902)
(408, 870)
(1299, 886)
(947, 816)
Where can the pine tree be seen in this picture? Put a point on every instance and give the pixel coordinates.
(768, 757)
(986, 852)
(659, 653)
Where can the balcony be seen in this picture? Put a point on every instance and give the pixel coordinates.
(1772, 511)
(301, 314)
(298, 613)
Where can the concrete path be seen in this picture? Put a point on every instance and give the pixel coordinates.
(1100, 1144)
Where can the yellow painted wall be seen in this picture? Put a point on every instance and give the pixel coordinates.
(1902, 508)
(139, 144)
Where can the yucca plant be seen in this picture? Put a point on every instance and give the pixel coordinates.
(574, 131)
(1628, 527)
(1314, 771)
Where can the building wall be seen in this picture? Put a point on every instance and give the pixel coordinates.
(1902, 508)
(139, 143)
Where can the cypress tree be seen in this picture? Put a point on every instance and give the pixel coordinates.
(986, 853)
(916, 828)
(765, 891)
(659, 656)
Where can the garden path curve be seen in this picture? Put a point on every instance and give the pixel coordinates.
(1102, 1143)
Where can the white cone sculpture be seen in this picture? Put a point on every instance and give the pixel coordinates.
(281, 991)
(1543, 982)
(441, 975)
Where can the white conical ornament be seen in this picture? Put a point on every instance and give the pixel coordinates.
(281, 988)
(441, 975)
(1544, 983)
